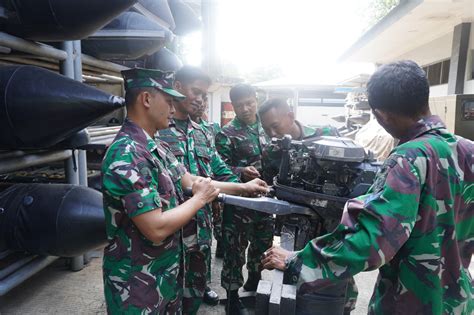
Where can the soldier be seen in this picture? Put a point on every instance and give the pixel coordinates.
(240, 144)
(416, 224)
(278, 120)
(191, 146)
(200, 117)
(212, 129)
(142, 186)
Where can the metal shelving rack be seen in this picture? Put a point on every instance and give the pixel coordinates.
(70, 62)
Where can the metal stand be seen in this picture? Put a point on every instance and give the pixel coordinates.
(72, 167)
(69, 60)
(274, 297)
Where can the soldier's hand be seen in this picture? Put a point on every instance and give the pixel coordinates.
(255, 187)
(249, 173)
(204, 190)
(275, 258)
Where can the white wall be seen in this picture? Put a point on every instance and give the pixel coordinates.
(439, 90)
(469, 87)
(440, 49)
(218, 95)
(434, 51)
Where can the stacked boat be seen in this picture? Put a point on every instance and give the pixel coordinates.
(45, 117)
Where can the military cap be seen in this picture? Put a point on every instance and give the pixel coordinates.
(143, 78)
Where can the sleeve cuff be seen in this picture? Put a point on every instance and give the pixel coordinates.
(237, 170)
(293, 265)
(135, 203)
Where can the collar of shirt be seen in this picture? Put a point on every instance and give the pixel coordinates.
(423, 126)
(189, 123)
(305, 131)
(204, 123)
(240, 126)
(137, 134)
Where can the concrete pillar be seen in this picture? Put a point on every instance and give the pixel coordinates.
(210, 62)
(459, 53)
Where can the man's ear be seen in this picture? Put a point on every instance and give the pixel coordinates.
(177, 85)
(291, 115)
(145, 99)
(382, 116)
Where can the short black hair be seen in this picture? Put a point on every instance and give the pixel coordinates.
(188, 74)
(279, 103)
(400, 87)
(240, 91)
(131, 95)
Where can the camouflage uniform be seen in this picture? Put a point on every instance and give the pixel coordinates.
(212, 129)
(271, 155)
(191, 146)
(241, 146)
(416, 224)
(139, 175)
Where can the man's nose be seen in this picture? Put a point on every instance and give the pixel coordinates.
(199, 99)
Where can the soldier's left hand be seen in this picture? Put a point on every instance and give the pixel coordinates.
(275, 258)
(256, 187)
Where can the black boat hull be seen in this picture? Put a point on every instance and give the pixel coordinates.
(52, 219)
(59, 20)
(39, 108)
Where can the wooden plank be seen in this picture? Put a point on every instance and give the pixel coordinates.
(264, 290)
(287, 240)
(275, 298)
(288, 300)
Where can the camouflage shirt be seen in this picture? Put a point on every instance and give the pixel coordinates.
(140, 175)
(241, 145)
(271, 155)
(192, 147)
(211, 129)
(416, 224)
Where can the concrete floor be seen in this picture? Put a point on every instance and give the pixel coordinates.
(56, 290)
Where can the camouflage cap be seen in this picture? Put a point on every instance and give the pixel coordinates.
(142, 78)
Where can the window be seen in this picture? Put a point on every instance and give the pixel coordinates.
(434, 73)
(438, 73)
(445, 71)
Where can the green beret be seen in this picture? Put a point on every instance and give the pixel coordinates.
(142, 78)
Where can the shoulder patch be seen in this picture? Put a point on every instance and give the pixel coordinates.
(381, 176)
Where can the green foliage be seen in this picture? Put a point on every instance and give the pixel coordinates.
(264, 73)
(377, 9)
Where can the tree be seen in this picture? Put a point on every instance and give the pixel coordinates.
(377, 9)
(264, 73)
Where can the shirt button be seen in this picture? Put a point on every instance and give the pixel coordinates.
(140, 205)
(295, 278)
(157, 200)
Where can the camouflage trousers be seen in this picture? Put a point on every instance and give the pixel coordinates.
(241, 227)
(197, 240)
(136, 294)
(351, 296)
(217, 220)
(196, 264)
